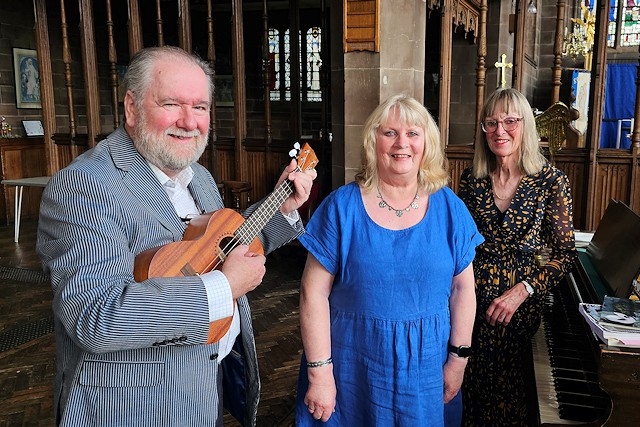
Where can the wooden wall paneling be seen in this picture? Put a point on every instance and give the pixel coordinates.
(68, 148)
(456, 167)
(266, 76)
(556, 70)
(518, 49)
(184, 25)
(205, 157)
(265, 166)
(211, 57)
(225, 160)
(596, 104)
(113, 72)
(66, 59)
(276, 161)
(361, 25)
(239, 89)
(22, 158)
(634, 203)
(135, 28)
(613, 179)
(574, 164)
(465, 15)
(444, 95)
(159, 29)
(459, 157)
(481, 71)
(46, 84)
(90, 70)
(257, 173)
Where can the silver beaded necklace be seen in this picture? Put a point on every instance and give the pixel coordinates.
(399, 212)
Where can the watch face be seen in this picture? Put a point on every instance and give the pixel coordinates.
(464, 351)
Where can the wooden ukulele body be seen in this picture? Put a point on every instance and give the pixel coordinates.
(201, 249)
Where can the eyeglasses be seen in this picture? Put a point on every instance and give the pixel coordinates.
(508, 124)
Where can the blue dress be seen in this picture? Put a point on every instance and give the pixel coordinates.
(389, 305)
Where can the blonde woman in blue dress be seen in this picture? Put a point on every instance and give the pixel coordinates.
(387, 296)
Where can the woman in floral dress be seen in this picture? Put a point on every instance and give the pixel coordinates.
(522, 206)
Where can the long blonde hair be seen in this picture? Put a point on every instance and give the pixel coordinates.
(433, 173)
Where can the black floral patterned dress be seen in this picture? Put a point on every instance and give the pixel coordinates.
(540, 216)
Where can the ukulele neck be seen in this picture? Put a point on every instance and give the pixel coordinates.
(259, 218)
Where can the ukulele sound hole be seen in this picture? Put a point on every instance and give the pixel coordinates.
(227, 244)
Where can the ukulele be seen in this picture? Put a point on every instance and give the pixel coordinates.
(210, 237)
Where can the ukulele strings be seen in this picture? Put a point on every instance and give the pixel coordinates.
(248, 231)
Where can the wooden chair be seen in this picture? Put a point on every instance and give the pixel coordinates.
(236, 194)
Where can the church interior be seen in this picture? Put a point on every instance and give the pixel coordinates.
(576, 61)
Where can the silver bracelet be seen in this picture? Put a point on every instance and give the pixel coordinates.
(319, 363)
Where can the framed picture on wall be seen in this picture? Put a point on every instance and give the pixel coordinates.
(25, 65)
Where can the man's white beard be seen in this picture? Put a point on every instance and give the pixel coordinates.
(160, 151)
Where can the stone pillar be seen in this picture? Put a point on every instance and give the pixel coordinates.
(361, 80)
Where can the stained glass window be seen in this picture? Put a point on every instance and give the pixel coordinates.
(287, 66)
(274, 64)
(280, 56)
(624, 23)
(630, 24)
(314, 63)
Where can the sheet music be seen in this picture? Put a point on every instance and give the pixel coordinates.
(583, 238)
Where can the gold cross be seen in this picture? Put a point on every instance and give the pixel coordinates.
(504, 65)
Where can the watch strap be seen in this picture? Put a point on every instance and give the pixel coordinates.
(460, 351)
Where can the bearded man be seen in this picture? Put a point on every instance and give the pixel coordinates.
(140, 352)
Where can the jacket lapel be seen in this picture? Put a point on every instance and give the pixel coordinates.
(141, 181)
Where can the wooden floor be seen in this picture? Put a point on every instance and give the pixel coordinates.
(27, 346)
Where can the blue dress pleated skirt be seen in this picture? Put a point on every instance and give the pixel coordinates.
(389, 307)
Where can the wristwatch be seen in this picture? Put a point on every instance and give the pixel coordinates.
(528, 287)
(460, 351)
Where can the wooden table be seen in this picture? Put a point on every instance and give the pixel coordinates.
(20, 183)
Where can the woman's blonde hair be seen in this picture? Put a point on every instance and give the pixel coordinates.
(433, 173)
(509, 100)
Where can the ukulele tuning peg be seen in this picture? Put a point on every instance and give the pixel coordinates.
(294, 151)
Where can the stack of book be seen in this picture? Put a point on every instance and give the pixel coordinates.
(616, 322)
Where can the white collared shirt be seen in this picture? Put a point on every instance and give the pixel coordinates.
(219, 296)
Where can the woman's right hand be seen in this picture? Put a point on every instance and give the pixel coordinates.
(321, 394)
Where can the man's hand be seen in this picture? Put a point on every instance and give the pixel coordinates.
(302, 182)
(244, 270)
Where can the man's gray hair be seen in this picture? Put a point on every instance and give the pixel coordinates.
(139, 74)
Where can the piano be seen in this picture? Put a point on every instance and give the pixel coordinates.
(578, 379)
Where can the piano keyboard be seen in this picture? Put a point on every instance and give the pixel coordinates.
(547, 396)
(565, 368)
